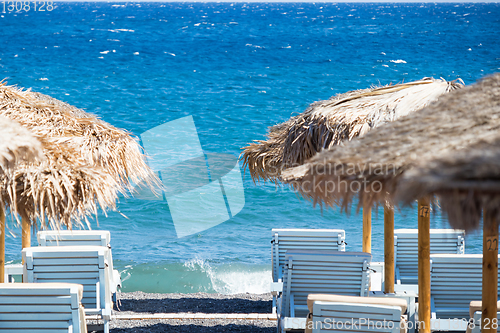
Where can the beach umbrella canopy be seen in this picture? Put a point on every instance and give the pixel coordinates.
(16, 144)
(379, 160)
(100, 143)
(343, 117)
(386, 163)
(61, 189)
(88, 162)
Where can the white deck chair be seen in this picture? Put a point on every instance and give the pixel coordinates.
(83, 238)
(312, 272)
(37, 307)
(85, 265)
(284, 240)
(456, 280)
(351, 313)
(406, 250)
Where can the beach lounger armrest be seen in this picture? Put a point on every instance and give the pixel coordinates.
(292, 306)
(398, 275)
(276, 288)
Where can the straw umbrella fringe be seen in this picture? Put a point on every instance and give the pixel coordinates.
(378, 160)
(466, 183)
(327, 123)
(60, 190)
(466, 179)
(100, 143)
(16, 144)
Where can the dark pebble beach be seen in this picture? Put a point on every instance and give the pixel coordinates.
(140, 303)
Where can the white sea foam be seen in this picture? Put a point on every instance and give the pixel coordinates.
(234, 278)
(399, 61)
(43, 79)
(121, 30)
(104, 52)
(136, 53)
(255, 46)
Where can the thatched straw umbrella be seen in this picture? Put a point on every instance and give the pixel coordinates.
(109, 149)
(326, 124)
(389, 160)
(101, 143)
(16, 145)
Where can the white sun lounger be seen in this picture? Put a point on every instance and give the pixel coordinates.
(352, 313)
(37, 307)
(284, 240)
(312, 272)
(83, 238)
(406, 252)
(456, 280)
(85, 265)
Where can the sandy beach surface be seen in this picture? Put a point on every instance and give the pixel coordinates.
(140, 303)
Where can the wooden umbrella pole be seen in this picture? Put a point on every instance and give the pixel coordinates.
(2, 244)
(490, 273)
(424, 266)
(367, 229)
(26, 233)
(388, 250)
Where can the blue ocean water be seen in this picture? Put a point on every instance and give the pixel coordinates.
(237, 68)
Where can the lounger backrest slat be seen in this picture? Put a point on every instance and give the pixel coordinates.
(284, 240)
(333, 272)
(456, 280)
(40, 308)
(85, 265)
(355, 317)
(73, 238)
(446, 241)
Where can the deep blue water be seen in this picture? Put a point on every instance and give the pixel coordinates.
(237, 68)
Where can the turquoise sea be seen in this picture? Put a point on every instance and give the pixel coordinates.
(236, 68)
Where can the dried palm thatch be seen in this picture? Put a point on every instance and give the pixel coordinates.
(440, 136)
(343, 117)
(467, 180)
(101, 144)
(16, 144)
(61, 189)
